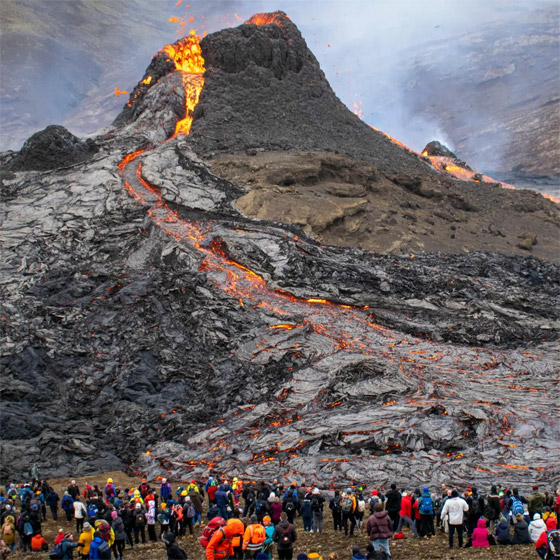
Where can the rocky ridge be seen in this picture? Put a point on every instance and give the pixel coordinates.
(142, 311)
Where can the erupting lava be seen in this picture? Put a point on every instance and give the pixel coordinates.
(265, 19)
(187, 56)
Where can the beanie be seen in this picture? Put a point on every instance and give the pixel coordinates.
(302, 556)
(114, 514)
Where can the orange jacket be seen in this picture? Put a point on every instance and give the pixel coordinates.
(254, 537)
(220, 544)
(37, 542)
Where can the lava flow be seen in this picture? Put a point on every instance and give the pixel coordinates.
(427, 392)
(187, 56)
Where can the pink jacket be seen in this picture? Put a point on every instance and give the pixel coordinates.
(480, 535)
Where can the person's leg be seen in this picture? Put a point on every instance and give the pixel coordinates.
(451, 533)
(460, 535)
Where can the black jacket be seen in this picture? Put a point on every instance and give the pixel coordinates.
(284, 529)
(393, 501)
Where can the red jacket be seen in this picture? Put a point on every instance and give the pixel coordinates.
(542, 542)
(406, 506)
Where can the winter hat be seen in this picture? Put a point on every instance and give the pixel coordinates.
(535, 487)
(316, 491)
(426, 490)
(536, 516)
(374, 493)
(114, 514)
(355, 550)
(349, 490)
(87, 526)
(138, 505)
(302, 556)
(254, 519)
(502, 519)
(168, 538)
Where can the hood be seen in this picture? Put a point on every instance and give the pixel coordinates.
(380, 514)
(536, 516)
(98, 540)
(481, 524)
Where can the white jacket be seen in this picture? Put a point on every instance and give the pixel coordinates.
(80, 510)
(536, 527)
(455, 508)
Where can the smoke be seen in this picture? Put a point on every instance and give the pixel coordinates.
(394, 61)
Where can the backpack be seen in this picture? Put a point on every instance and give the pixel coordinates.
(285, 537)
(347, 504)
(517, 506)
(290, 506)
(361, 506)
(553, 541)
(189, 511)
(315, 504)
(56, 552)
(426, 506)
(214, 524)
(139, 520)
(104, 550)
(250, 498)
(489, 512)
(8, 530)
(27, 529)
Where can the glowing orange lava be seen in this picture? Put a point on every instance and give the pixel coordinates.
(266, 19)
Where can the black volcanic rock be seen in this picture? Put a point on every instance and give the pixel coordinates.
(435, 148)
(51, 148)
(160, 66)
(264, 89)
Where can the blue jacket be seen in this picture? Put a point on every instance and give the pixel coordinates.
(67, 548)
(221, 497)
(93, 553)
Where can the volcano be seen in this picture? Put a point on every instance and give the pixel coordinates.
(240, 276)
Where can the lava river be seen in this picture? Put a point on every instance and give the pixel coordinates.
(433, 409)
(367, 401)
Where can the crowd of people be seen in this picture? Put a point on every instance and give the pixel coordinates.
(258, 520)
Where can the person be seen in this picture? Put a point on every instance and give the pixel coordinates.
(454, 509)
(117, 524)
(249, 498)
(52, 500)
(379, 528)
(405, 514)
(197, 502)
(548, 545)
(284, 536)
(393, 504)
(336, 510)
(174, 551)
(502, 532)
(536, 527)
(290, 503)
(480, 535)
(317, 502)
(425, 508)
(8, 533)
(80, 513)
(94, 547)
(275, 509)
(360, 509)
(222, 499)
(253, 538)
(151, 520)
(269, 531)
(348, 505)
(73, 490)
(520, 531)
(68, 545)
(493, 509)
(165, 490)
(84, 540)
(139, 524)
(39, 544)
(536, 502)
(313, 554)
(306, 513)
(549, 517)
(221, 542)
(357, 554)
(67, 504)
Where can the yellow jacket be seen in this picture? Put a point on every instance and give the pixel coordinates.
(84, 542)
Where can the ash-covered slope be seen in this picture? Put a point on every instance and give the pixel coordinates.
(142, 311)
(264, 89)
